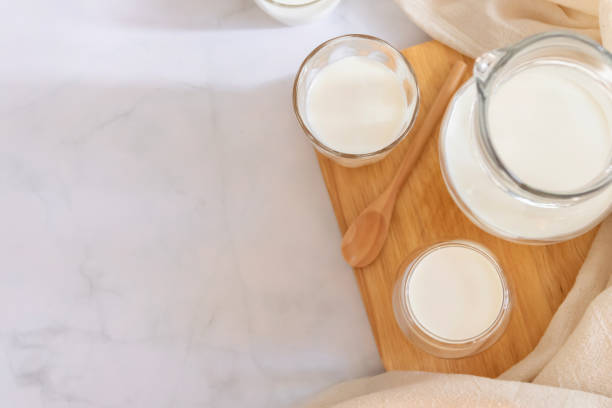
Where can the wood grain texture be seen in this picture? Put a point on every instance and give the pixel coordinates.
(540, 276)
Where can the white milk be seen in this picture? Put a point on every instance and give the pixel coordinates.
(357, 105)
(548, 127)
(293, 12)
(455, 293)
(541, 160)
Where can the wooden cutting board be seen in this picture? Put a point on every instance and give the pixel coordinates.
(540, 276)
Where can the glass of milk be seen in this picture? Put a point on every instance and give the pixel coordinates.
(526, 144)
(452, 300)
(294, 12)
(355, 97)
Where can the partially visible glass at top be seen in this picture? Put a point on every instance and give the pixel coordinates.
(294, 12)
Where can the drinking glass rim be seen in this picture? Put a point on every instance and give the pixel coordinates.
(328, 149)
(505, 307)
(277, 3)
(484, 138)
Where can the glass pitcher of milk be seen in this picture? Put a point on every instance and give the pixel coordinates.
(526, 144)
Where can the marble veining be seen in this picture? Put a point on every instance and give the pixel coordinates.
(167, 240)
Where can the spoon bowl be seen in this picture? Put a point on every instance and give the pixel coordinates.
(365, 238)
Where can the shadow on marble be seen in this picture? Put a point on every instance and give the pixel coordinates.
(304, 304)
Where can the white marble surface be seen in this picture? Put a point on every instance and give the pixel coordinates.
(167, 240)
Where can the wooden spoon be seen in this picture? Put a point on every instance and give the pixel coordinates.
(365, 237)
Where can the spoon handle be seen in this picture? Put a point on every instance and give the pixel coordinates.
(418, 141)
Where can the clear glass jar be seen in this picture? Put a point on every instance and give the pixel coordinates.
(294, 12)
(484, 186)
(458, 309)
(348, 46)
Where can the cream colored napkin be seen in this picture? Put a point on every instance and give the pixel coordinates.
(570, 367)
(475, 26)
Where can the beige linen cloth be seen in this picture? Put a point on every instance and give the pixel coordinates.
(475, 26)
(572, 364)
